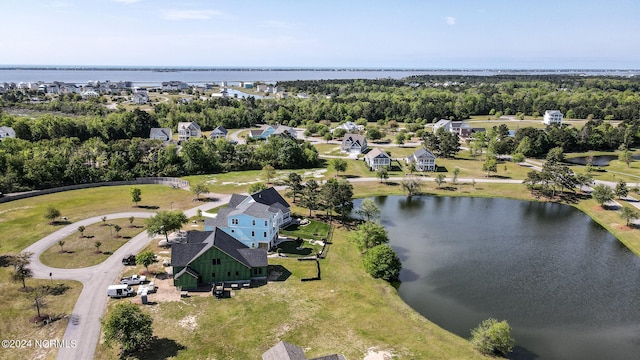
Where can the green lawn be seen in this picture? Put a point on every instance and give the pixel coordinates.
(315, 230)
(81, 251)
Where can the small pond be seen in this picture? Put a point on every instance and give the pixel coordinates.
(567, 287)
(600, 160)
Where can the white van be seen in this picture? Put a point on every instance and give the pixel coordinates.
(121, 290)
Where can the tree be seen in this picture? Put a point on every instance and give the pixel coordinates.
(136, 195)
(373, 133)
(517, 157)
(493, 337)
(97, 245)
(583, 180)
(368, 210)
(104, 220)
(256, 187)
(327, 137)
(337, 195)
(383, 173)
(369, 235)
(131, 219)
(626, 156)
(602, 194)
(165, 222)
(81, 230)
(268, 172)
(411, 185)
(117, 228)
(294, 183)
(490, 165)
(400, 138)
(310, 196)
(621, 189)
(145, 259)
(628, 214)
(382, 262)
(199, 188)
(339, 165)
(21, 270)
(51, 214)
(456, 172)
(38, 296)
(129, 326)
(61, 244)
(439, 179)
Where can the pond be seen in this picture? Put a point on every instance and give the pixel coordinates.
(566, 286)
(600, 160)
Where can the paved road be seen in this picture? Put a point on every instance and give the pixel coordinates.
(84, 324)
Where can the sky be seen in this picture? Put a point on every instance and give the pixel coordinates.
(412, 34)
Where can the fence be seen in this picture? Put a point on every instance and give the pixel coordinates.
(169, 181)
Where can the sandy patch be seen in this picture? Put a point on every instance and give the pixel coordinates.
(188, 322)
(373, 354)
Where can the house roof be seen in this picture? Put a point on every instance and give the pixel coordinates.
(188, 124)
(281, 129)
(255, 133)
(236, 199)
(376, 153)
(187, 270)
(198, 242)
(270, 197)
(220, 129)
(330, 357)
(423, 153)
(156, 131)
(253, 209)
(353, 139)
(441, 123)
(7, 130)
(552, 112)
(284, 351)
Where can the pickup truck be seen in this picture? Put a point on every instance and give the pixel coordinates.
(133, 280)
(118, 291)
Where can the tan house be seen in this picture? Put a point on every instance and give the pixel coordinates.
(377, 159)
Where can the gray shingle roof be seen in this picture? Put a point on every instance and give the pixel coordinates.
(221, 129)
(423, 153)
(236, 199)
(270, 197)
(284, 351)
(376, 153)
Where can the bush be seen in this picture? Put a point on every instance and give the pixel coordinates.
(382, 262)
(493, 337)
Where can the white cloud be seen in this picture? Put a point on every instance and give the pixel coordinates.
(127, 1)
(189, 14)
(450, 20)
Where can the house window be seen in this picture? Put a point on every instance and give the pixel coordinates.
(237, 273)
(228, 273)
(213, 275)
(265, 223)
(253, 233)
(233, 231)
(264, 234)
(215, 261)
(234, 221)
(253, 222)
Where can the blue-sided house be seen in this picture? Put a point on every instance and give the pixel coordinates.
(208, 257)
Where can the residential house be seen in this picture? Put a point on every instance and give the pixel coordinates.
(552, 117)
(89, 94)
(163, 134)
(174, 86)
(7, 132)
(282, 95)
(423, 159)
(455, 127)
(350, 127)
(208, 257)
(377, 159)
(353, 143)
(218, 133)
(254, 219)
(264, 88)
(267, 130)
(187, 130)
(285, 351)
(140, 97)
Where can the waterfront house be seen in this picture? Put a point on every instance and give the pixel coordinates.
(423, 159)
(208, 257)
(140, 97)
(163, 134)
(552, 117)
(353, 143)
(218, 133)
(377, 159)
(187, 130)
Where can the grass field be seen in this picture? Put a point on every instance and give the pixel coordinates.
(315, 230)
(81, 252)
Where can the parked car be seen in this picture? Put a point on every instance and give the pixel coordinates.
(129, 260)
(133, 280)
(118, 291)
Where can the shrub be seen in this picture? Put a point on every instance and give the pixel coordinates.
(493, 337)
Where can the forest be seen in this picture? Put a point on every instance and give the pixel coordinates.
(73, 141)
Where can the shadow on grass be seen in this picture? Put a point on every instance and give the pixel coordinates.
(277, 273)
(5, 260)
(159, 348)
(150, 207)
(60, 222)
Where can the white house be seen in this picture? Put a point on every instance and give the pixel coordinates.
(455, 127)
(423, 159)
(7, 132)
(350, 127)
(377, 158)
(353, 143)
(268, 130)
(187, 130)
(163, 134)
(140, 97)
(552, 117)
(219, 133)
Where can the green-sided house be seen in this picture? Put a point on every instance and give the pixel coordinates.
(208, 257)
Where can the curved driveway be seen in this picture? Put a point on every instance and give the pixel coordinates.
(84, 324)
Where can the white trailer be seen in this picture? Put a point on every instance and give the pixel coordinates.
(118, 291)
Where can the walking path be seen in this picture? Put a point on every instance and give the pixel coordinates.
(84, 323)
